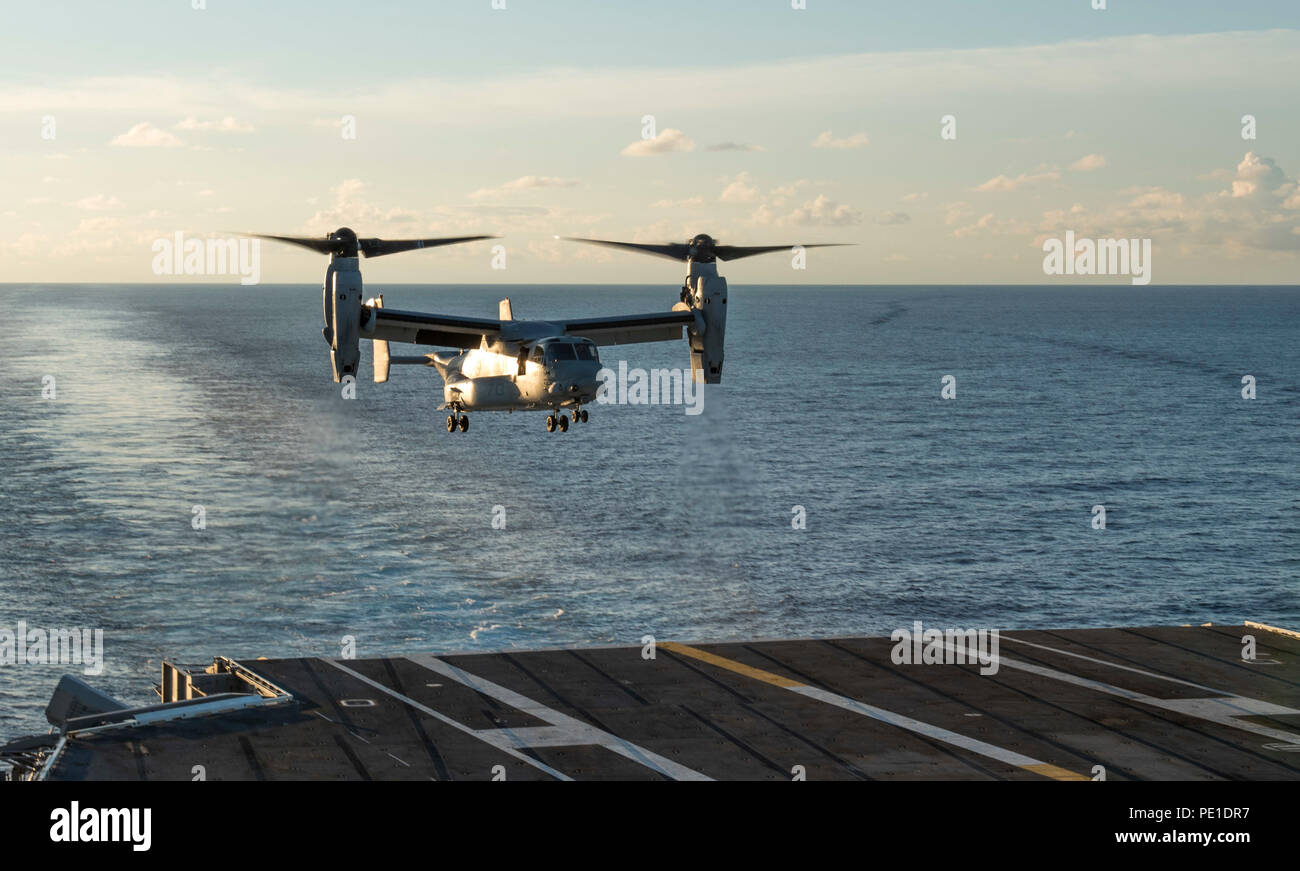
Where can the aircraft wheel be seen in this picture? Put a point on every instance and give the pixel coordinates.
(564, 423)
(464, 423)
(550, 423)
(451, 423)
(584, 415)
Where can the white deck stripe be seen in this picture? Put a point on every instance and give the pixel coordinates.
(1221, 711)
(1115, 665)
(579, 732)
(485, 737)
(974, 745)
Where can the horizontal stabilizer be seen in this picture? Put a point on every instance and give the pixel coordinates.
(73, 697)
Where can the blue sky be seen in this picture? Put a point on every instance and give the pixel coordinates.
(775, 125)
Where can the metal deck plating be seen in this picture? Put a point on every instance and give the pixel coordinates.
(1133, 703)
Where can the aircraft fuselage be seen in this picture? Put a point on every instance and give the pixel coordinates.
(556, 372)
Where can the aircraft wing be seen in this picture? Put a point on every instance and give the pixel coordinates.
(418, 328)
(627, 329)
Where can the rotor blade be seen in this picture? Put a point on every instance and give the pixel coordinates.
(380, 247)
(674, 250)
(735, 252)
(316, 243)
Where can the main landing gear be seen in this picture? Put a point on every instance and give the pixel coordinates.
(562, 421)
(455, 422)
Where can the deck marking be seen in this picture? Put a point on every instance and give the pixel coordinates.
(1055, 772)
(574, 731)
(1290, 633)
(1114, 665)
(775, 680)
(1223, 711)
(1009, 757)
(486, 739)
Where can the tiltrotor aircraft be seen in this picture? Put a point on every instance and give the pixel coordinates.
(505, 364)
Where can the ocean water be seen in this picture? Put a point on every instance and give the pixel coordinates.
(329, 518)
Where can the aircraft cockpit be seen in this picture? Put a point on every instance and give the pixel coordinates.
(559, 350)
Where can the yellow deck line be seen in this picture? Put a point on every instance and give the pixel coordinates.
(730, 665)
(973, 745)
(1055, 772)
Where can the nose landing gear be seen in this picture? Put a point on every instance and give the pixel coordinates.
(562, 422)
(456, 420)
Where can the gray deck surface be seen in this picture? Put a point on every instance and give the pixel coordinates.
(1144, 703)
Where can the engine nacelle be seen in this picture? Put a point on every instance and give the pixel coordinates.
(708, 292)
(342, 299)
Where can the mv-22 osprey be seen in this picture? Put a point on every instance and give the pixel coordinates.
(512, 365)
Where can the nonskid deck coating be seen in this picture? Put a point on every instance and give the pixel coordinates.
(1133, 703)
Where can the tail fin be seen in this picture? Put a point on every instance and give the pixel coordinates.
(440, 361)
(503, 310)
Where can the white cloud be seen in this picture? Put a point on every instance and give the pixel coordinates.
(688, 203)
(1006, 183)
(670, 139)
(741, 190)
(828, 140)
(789, 190)
(524, 182)
(1154, 198)
(894, 218)
(825, 212)
(733, 146)
(986, 222)
(1257, 175)
(352, 209)
(1251, 216)
(1162, 72)
(227, 124)
(955, 212)
(145, 135)
(98, 203)
(1088, 163)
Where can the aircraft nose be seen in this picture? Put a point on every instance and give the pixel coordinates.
(578, 377)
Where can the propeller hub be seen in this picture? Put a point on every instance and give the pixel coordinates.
(345, 241)
(701, 248)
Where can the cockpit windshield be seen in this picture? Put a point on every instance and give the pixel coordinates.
(586, 351)
(559, 351)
